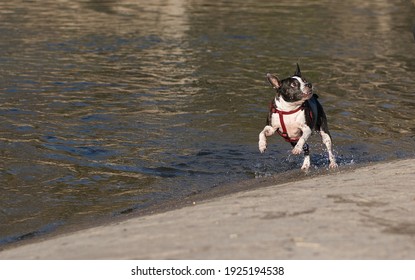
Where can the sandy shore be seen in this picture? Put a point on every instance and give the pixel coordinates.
(366, 213)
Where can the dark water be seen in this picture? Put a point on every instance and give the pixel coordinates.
(111, 106)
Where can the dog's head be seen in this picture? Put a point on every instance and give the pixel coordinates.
(292, 89)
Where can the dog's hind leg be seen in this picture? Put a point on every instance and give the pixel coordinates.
(325, 135)
(326, 138)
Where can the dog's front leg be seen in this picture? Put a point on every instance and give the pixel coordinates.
(267, 131)
(306, 162)
(300, 144)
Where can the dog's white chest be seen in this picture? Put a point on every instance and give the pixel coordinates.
(291, 124)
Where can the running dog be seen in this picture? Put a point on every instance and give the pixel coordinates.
(294, 114)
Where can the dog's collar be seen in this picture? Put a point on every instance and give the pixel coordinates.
(283, 131)
(274, 109)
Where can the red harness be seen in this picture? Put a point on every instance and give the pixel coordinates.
(283, 132)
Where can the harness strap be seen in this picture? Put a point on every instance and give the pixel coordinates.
(283, 132)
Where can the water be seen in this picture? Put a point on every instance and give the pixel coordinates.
(108, 107)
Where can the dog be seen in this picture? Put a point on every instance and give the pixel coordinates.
(294, 114)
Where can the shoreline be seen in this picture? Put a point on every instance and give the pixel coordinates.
(174, 204)
(356, 212)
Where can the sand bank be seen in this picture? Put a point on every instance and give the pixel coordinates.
(366, 213)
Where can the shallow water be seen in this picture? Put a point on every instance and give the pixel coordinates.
(112, 107)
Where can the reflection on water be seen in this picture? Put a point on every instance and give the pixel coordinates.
(107, 106)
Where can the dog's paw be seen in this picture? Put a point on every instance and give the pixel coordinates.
(333, 165)
(305, 168)
(306, 164)
(296, 151)
(262, 145)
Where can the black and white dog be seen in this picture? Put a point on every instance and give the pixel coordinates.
(294, 113)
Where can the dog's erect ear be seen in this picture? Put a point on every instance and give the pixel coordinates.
(273, 80)
(298, 71)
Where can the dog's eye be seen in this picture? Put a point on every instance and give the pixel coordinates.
(293, 85)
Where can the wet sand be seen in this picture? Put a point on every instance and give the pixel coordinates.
(365, 213)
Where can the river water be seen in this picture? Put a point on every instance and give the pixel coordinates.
(109, 107)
